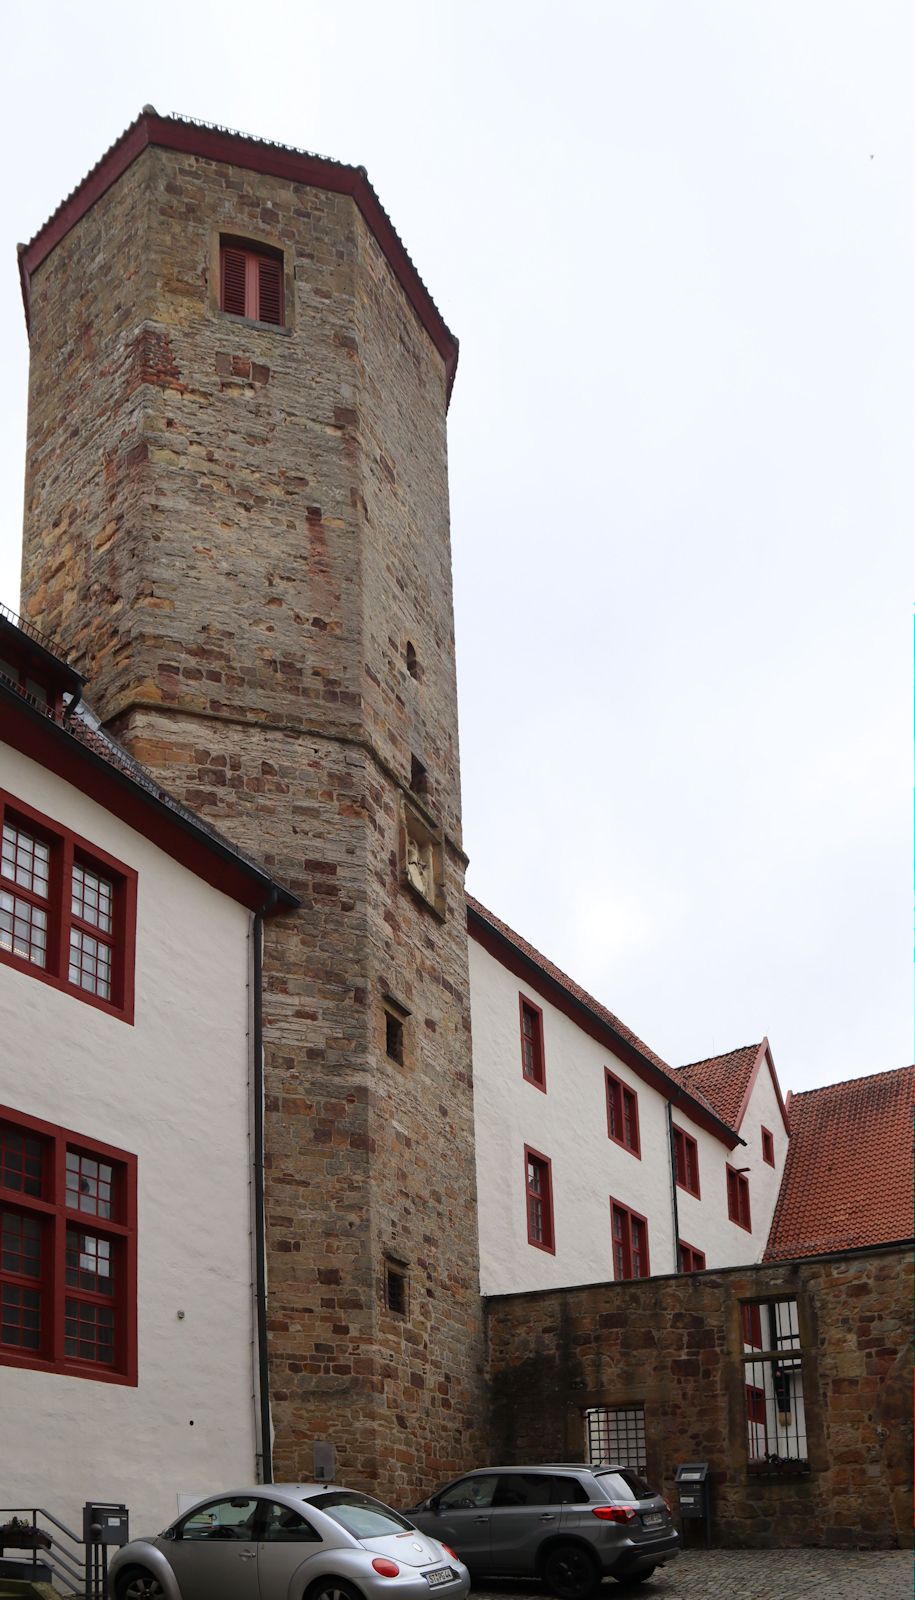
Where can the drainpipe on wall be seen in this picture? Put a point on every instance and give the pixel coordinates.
(260, 1240)
(671, 1151)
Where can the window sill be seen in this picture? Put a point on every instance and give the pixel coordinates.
(771, 1472)
(68, 1368)
(631, 1149)
(252, 322)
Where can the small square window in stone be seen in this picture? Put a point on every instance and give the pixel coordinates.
(773, 1388)
(616, 1434)
(396, 1286)
(89, 1184)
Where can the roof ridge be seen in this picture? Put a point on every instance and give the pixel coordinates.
(845, 1083)
(721, 1055)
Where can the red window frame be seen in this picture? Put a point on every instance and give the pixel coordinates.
(628, 1242)
(768, 1146)
(686, 1161)
(65, 1298)
(691, 1259)
(739, 1198)
(622, 1114)
(66, 851)
(751, 1324)
(251, 282)
(533, 1059)
(538, 1200)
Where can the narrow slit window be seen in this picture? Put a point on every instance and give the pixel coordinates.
(395, 1288)
(393, 1037)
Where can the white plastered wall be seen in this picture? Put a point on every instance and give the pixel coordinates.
(173, 1090)
(568, 1124)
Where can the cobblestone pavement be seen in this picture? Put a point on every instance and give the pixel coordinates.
(754, 1575)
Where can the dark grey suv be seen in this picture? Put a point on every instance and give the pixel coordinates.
(569, 1525)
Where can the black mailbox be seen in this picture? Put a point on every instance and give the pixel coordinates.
(694, 1491)
(104, 1523)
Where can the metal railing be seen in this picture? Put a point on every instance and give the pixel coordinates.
(55, 1546)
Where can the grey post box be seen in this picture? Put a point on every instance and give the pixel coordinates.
(694, 1493)
(104, 1523)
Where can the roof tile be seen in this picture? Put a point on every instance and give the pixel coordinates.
(723, 1079)
(847, 1181)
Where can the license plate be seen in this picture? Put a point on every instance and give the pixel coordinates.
(652, 1519)
(439, 1576)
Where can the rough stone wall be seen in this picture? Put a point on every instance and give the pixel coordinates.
(243, 527)
(674, 1344)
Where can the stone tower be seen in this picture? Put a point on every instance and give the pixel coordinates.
(236, 525)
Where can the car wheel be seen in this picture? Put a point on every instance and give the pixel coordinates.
(332, 1589)
(138, 1584)
(570, 1571)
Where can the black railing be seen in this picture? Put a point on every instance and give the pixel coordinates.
(50, 1544)
(30, 630)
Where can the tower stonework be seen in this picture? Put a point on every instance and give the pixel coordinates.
(239, 534)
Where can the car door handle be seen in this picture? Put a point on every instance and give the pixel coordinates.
(481, 1519)
(247, 1555)
(548, 1516)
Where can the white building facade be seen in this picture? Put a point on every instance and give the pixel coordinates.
(594, 1159)
(128, 1316)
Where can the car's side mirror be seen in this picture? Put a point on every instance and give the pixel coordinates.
(432, 1504)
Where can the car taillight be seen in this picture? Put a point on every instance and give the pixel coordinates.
(449, 1552)
(614, 1513)
(386, 1568)
(667, 1504)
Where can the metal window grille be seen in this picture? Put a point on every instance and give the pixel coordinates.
(776, 1419)
(617, 1434)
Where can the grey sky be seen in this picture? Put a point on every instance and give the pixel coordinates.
(675, 240)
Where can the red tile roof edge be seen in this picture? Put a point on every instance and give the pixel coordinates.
(660, 1074)
(751, 1068)
(215, 143)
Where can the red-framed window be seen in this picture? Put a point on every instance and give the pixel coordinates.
(691, 1259)
(538, 1180)
(629, 1238)
(251, 282)
(67, 910)
(68, 1252)
(768, 1147)
(686, 1161)
(739, 1198)
(533, 1061)
(622, 1113)
(751, 1324)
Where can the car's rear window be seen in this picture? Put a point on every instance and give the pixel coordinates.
(361, 1516)
(623, 1484)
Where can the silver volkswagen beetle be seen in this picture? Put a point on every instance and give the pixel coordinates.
(288, 1541)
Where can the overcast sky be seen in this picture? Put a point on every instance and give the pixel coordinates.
(675, 240)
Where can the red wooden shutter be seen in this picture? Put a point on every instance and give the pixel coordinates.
(269, 291)
(232, 295)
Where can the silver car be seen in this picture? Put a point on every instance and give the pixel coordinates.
(568, 1525)
(288, 1541)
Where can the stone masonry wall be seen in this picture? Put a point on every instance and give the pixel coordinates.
(674, 1345)
(234, 530)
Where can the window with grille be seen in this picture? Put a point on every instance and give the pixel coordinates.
(251, 282)
(739, 1198)
(539, 1190)
(615, 1435)
(533, 1064)
(686, 1161)
(67, 1252)
(622, 1113)
(67, 910)
(629, 1241)
(773, 1388)
(691, 1259)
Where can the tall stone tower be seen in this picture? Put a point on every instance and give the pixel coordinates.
(236, 525)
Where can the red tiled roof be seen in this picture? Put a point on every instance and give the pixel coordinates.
(724, 1080)
(216, 143)
(589, 1004)
(847, 1181)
